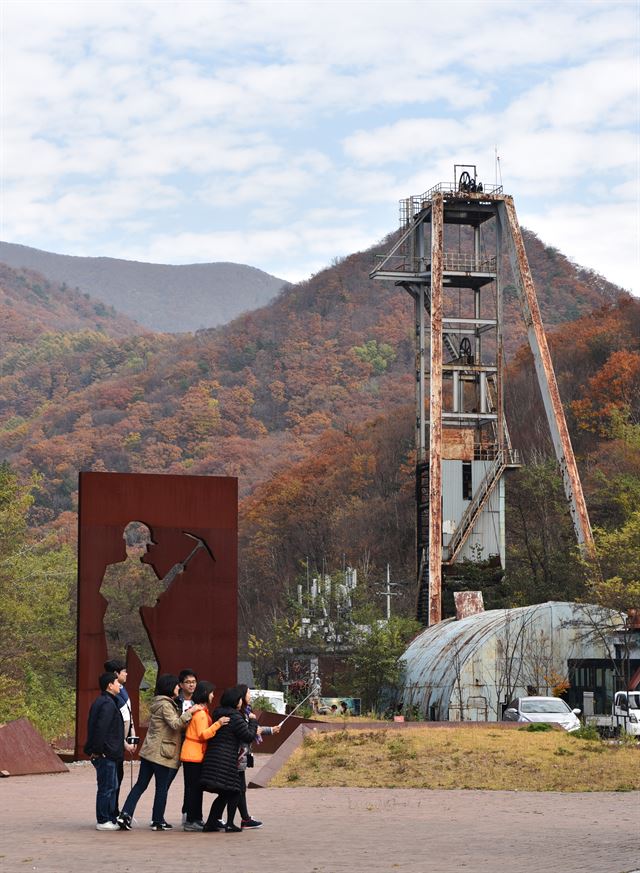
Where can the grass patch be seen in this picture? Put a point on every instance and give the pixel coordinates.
(586, 732)
(461, 757)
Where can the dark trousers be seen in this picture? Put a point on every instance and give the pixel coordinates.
(242, 800)
(120, 772)
(225, 798)
(192, 790)
(107, 778)
(163, 776)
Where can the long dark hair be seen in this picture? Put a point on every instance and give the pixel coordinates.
(166, 684)
(202, 691)
(230, 697)
(243, 693)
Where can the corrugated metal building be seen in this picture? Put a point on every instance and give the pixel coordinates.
(486, 538)
(469, 669)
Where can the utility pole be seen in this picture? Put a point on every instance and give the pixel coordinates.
(388, 592)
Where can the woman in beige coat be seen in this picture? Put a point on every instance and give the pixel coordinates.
(160, 753)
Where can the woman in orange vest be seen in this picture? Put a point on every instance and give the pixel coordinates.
(201, 728)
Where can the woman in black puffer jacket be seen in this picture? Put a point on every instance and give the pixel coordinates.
(220, 773)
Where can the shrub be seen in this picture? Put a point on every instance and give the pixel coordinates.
(263, 703)
(586, 732)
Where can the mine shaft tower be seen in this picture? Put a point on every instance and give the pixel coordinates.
(448, 256)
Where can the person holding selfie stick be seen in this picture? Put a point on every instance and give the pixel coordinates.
(245, 759)
(220, 774)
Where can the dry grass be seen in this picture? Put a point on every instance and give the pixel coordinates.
(348, 719)
(461, 758)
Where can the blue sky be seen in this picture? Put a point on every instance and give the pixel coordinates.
(282, 134)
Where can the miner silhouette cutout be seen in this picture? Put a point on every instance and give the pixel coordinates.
(126, 586)
(185, 555)
(133, 593)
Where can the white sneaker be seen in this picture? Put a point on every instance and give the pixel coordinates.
(107, 826)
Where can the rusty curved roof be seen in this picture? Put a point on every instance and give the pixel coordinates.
(434, 659)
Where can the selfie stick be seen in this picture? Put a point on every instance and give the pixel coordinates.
(313, 691)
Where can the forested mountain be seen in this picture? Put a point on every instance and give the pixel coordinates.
(309, 401)
(162, 297)
(354, 493)
(31, 305)
(329, 353)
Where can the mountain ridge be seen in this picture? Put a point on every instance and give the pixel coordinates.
(309, 401)
(244, 398)
(169, 298)
(31, 305)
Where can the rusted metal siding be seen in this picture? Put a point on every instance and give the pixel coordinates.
(457, 444)
(468, 603)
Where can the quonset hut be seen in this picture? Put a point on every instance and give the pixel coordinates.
(469, 669)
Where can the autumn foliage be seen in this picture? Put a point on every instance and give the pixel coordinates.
(307, 400)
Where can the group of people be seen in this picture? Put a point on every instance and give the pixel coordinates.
(213, 746)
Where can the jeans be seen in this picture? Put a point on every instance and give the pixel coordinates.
(163, 776)
(184, 799)
(107, 777)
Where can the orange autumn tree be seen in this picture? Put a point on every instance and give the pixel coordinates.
(612, 396)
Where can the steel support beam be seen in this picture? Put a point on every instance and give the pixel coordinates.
(435, 412)
(546, 375)
(421, 420)
(502, 429)
(418, 252)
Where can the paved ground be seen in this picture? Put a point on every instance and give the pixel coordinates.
(46, 824)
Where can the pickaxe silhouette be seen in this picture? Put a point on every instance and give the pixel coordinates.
(181, 566)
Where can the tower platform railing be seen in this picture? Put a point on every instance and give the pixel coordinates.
(454, 262)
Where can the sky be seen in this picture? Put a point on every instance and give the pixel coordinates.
(283, 134)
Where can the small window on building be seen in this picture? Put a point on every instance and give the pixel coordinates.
(467, 487)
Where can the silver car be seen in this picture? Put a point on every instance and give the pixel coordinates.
(551, 710)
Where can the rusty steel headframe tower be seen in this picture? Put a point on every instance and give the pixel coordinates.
(448, 257)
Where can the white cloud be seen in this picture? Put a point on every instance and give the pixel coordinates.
(213, 124)
(81, 213)
(605, 238)
(312, 242)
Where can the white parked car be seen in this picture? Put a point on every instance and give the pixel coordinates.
(551, 710)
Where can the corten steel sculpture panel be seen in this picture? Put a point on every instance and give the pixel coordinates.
(193, 524)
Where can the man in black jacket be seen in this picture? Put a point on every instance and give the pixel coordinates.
(105, 746)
